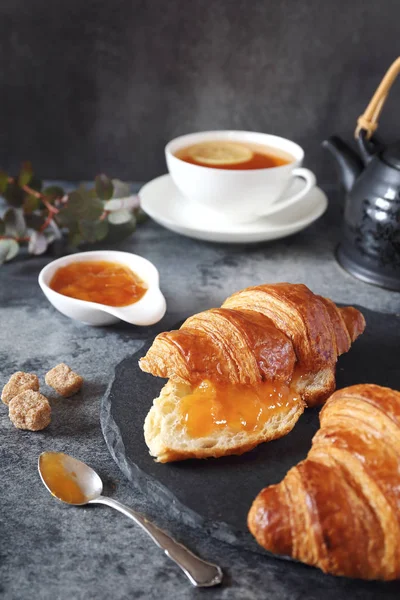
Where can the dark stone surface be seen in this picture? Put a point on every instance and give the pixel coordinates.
(206, 493)
(90, 86)
(50, 551)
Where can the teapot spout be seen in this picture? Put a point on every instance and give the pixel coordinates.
(348, 162)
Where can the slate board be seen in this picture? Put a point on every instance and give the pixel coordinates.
(216, 494)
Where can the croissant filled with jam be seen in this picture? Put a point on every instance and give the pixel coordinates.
(242, 374)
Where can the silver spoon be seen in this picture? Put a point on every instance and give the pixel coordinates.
(74, 482)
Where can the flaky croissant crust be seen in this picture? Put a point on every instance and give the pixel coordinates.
(339, 509)
(279, 332)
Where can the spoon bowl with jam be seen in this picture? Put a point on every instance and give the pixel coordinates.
(104, 286)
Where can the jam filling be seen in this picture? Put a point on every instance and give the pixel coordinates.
(61, 482)
(99, 281)
(211, 406)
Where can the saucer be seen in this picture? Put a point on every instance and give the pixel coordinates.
(165, 204)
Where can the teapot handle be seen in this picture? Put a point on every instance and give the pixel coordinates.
(368, 147)
(368, 121)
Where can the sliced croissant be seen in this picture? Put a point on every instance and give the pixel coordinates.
(339, 509)
(169, 440)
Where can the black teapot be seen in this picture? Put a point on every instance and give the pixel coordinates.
(370, 244)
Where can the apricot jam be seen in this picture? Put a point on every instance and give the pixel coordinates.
(212, 407)
(60, 481)
(99, 281)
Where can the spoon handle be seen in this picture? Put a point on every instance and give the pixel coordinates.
(199, 572)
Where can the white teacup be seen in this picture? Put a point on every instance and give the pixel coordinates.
(240, 196)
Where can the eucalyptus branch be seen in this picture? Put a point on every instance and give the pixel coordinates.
(38, 216)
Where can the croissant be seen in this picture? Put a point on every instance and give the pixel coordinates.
(339, 509)
(240, 375)
(281, 332)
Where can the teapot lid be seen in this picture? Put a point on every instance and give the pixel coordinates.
(391, 155)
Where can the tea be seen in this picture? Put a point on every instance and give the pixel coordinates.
(233, 155)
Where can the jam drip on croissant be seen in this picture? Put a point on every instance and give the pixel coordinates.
(212, 407)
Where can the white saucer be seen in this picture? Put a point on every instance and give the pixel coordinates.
(164, 203)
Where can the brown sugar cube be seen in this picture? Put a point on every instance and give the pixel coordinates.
(64, 380)
(19, 382)
(30, 410)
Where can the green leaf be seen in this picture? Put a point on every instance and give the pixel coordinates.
(15, 222)
(25, 174)
(2, 227)
(104, 187)
(8, 250)
(80, 206)
(76, 201)
(36, 184)
(66, 217)
(52, 192)
(119, 232)
(87, 231)
(3, 181)
(93, 231)
(87, 194)
(84, 206)
(14, 194)
(75, 239)
(101, 230)
(30, 204)
(93, 209)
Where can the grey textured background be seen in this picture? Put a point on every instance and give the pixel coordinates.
(92, 85)
(49, 551)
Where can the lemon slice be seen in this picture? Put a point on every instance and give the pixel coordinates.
(220, 153)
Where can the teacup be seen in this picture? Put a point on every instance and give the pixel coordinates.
(240, 196)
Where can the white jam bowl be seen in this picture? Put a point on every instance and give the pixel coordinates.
(148, 310)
